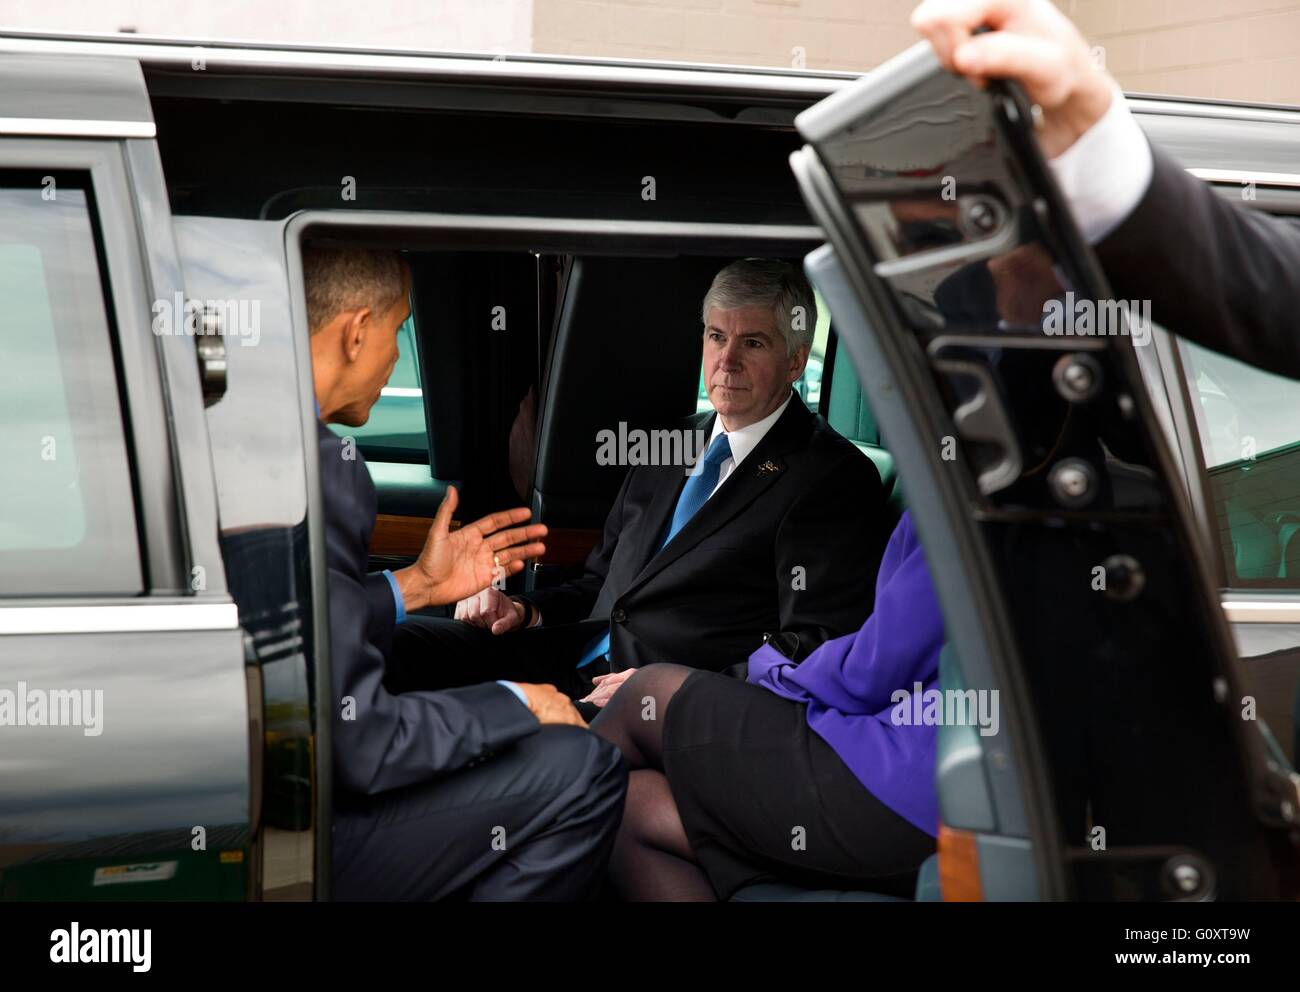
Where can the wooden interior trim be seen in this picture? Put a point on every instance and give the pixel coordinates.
(403, 537)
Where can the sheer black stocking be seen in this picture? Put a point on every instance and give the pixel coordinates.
(652, 859)
(634, 718)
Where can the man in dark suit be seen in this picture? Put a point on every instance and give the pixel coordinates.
(778, 531)
(493, 790)
(1215, 272)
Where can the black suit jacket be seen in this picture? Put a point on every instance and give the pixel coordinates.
(382, 741)
(1216, 273)
(805, 498)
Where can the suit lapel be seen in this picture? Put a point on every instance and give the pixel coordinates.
(663, 500)
(748, 481)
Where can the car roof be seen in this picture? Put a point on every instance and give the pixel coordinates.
(380, 63)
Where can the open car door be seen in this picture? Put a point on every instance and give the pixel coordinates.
(138, 774)
(1072, 580)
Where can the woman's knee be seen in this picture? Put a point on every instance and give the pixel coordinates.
(656, 682)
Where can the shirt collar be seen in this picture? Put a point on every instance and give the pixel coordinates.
(746, 439)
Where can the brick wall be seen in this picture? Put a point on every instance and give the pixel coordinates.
(1229, 49)
(827, 34)
(1226, 49)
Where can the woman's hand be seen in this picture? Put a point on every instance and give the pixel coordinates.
(606, 686)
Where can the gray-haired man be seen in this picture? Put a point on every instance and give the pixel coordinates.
(779, 532)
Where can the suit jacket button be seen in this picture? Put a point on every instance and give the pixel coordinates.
(618, 616)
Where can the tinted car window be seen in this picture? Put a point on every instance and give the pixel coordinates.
(67, 512)
(1250, 439)
(396, 428)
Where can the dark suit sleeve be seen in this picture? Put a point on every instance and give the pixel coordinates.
(1215, 272)
(382, 741)
(572, 601)
(382, 612)
(836, 533)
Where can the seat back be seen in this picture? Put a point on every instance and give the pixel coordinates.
(849, 413)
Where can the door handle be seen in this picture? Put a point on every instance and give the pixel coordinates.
(983, 419)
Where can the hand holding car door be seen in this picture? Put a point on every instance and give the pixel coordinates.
(1031, 42)
(1231, 284)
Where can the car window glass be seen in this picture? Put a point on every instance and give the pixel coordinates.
(67, 510)
(396, 428)
(1250, 442)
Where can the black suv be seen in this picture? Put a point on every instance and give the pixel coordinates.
(164, 655)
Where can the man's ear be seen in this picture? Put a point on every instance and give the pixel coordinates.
(799, 361)
(355, 328)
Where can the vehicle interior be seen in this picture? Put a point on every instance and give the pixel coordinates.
(556, 348)
(434, 159)
(513, 361)
(546, 339)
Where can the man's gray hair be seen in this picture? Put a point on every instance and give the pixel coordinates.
(767, 282)
(340, 279)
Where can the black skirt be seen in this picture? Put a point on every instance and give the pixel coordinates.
(763, 798)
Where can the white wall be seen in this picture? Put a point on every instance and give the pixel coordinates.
(1231, 49)
(481, 25)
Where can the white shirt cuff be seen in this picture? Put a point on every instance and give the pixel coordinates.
(1106, 172)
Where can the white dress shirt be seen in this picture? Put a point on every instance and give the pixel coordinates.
(742, 441)
(1106, 172)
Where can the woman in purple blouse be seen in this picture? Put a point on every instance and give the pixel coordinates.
(797, 774)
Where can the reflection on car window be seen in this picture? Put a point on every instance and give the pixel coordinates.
(808, 385)
(67, 511)
(396, 428)
(1250, 440)
(1243, 412)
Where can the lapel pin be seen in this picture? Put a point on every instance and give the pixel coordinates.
(767, 467)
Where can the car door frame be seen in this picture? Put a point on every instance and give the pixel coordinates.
(111, 141)
(900, 395)
(1244, 608)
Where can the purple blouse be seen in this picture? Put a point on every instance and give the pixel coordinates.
(848, 681)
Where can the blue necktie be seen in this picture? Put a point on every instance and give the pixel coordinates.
(699, 487)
